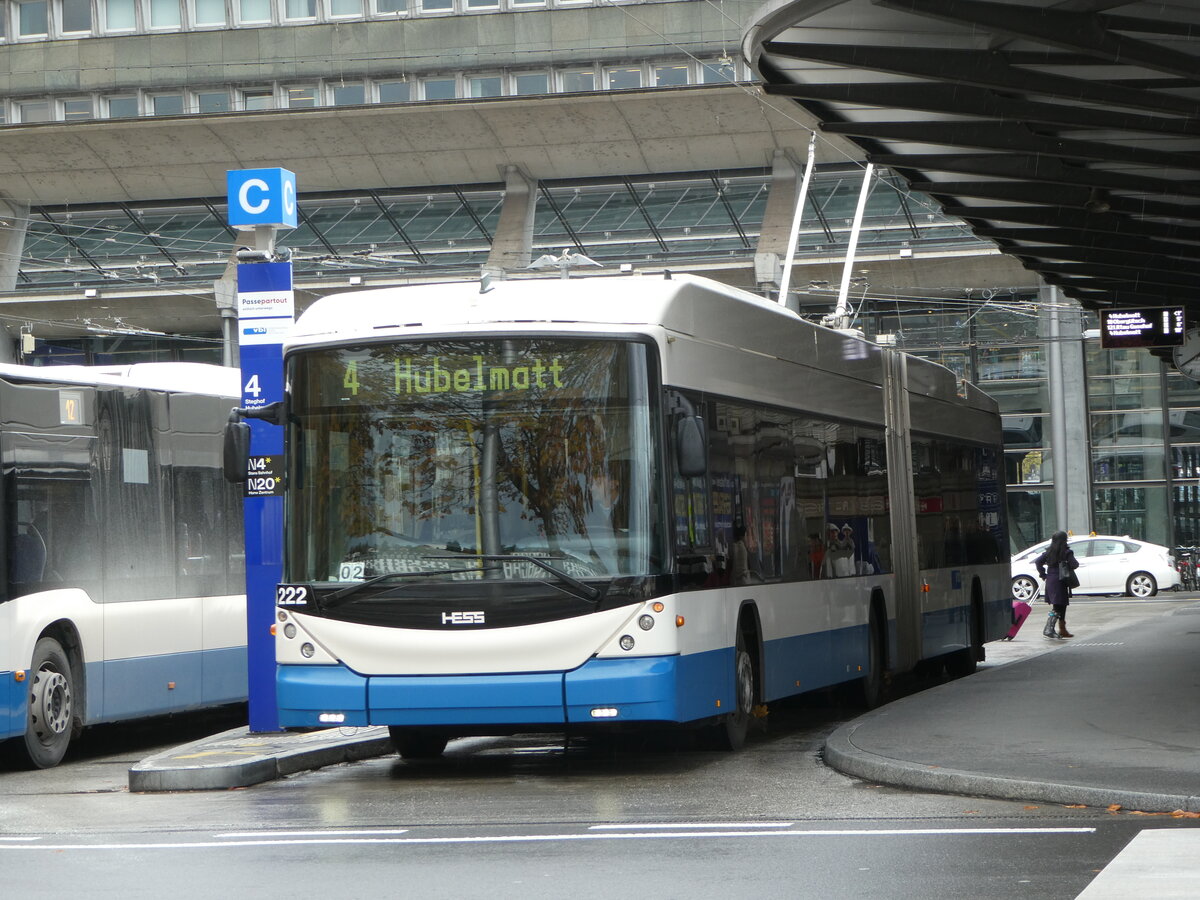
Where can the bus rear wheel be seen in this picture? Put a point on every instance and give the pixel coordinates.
(416, 743)
(50, 718)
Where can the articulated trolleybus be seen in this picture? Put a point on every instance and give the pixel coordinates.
(612, 502)
(123, 575)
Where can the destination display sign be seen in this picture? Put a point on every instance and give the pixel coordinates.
(1148, 327)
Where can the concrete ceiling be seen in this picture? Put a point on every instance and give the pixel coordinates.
(1067, 132)
(403, 145)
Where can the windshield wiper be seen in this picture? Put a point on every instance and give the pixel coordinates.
(578, 588)
(344, 594)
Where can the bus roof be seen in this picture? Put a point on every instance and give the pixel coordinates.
(177, 377)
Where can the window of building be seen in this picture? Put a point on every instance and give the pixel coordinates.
(390, 6)
(301, 96)
(718, 71)
(122, 107)
(120, 15)
(670, 76)
(623, 78)
(250, 11)
(484, 86)
(532, 83)
(76, 16)
(579, 80)
(166, 105)
(483, 4)
(209, 12)
(258, 99)
(300, 9)
(78, 108)
(32, 18)
(520, 3)
(349, 93)
(339, 8)
(394, 91)
(213, 102)
(165, 14)
(34, 110)
(437, 5)
(440, 89)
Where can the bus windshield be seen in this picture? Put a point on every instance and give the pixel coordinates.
(425, 456)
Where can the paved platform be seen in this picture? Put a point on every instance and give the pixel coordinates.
(1111, 716)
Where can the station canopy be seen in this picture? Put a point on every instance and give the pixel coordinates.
(1066, 132)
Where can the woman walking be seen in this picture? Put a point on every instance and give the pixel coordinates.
(1057, 561)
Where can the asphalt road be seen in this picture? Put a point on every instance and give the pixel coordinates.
(530, 818)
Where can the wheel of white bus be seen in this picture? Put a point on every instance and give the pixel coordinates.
(730, 732)
(870, 686)
(416, 743)
(51, 706)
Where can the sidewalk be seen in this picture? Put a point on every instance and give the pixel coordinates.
(1111, 716)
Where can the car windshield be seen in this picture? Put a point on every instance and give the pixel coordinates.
(432, 456)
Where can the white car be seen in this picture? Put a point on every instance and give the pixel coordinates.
(1107, 565)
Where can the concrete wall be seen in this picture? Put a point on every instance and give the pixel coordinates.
(417, 46)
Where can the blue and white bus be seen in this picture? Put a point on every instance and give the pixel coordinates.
(121, 565)
(615, 502)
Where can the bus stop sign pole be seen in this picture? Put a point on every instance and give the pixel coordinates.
(265, 200)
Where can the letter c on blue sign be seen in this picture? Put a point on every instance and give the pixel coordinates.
(244, 196)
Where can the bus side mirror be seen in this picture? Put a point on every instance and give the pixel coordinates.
(691, 444)
(236, 449)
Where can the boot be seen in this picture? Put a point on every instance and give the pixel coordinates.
(1062, 628)
(1048, 631)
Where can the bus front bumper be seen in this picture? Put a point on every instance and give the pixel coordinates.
(640, 689)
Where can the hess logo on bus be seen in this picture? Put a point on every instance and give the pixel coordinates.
(463, 618)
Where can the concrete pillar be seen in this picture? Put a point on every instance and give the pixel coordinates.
(512, 245)
(1070, 446)
(14, 220)
(777, 220)
(225, 296)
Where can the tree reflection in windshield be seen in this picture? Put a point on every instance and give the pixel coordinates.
(537, 447)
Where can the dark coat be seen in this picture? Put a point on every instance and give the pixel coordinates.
(1057, 593)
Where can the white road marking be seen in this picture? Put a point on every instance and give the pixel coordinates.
(549, 838)
(678, 825)
(33, 838)
(331, 833)
(1159, 863)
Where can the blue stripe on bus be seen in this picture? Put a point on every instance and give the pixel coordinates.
(139, 687)
(12, 707)
(641, 689)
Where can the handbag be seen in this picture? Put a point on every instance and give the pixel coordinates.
(1067, 576)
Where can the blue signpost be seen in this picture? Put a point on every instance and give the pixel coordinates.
(264, 199)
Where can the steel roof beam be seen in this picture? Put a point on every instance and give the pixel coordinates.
(1036, 168)
(1066, 29)
(986, 70)
(1094, 240)
(966, 100)
(1084, 223)
(1012, 137)
(1061, 195)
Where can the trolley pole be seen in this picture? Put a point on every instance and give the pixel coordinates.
(265, 200)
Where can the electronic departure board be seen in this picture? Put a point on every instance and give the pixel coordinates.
(1153, 327)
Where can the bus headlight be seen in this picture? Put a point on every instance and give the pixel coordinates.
(626, 642)
(289, 630)
(646, 622)
(307, 650)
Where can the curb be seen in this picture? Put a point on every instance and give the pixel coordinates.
(237, 758)
(841, 754)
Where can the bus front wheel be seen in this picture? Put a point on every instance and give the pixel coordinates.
(51, 708)
(730, 732)
(414, 743)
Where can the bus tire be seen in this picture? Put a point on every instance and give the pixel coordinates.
(50, 717)
(416, 743)
(869, 691)
(965, 662)
(730, 732)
